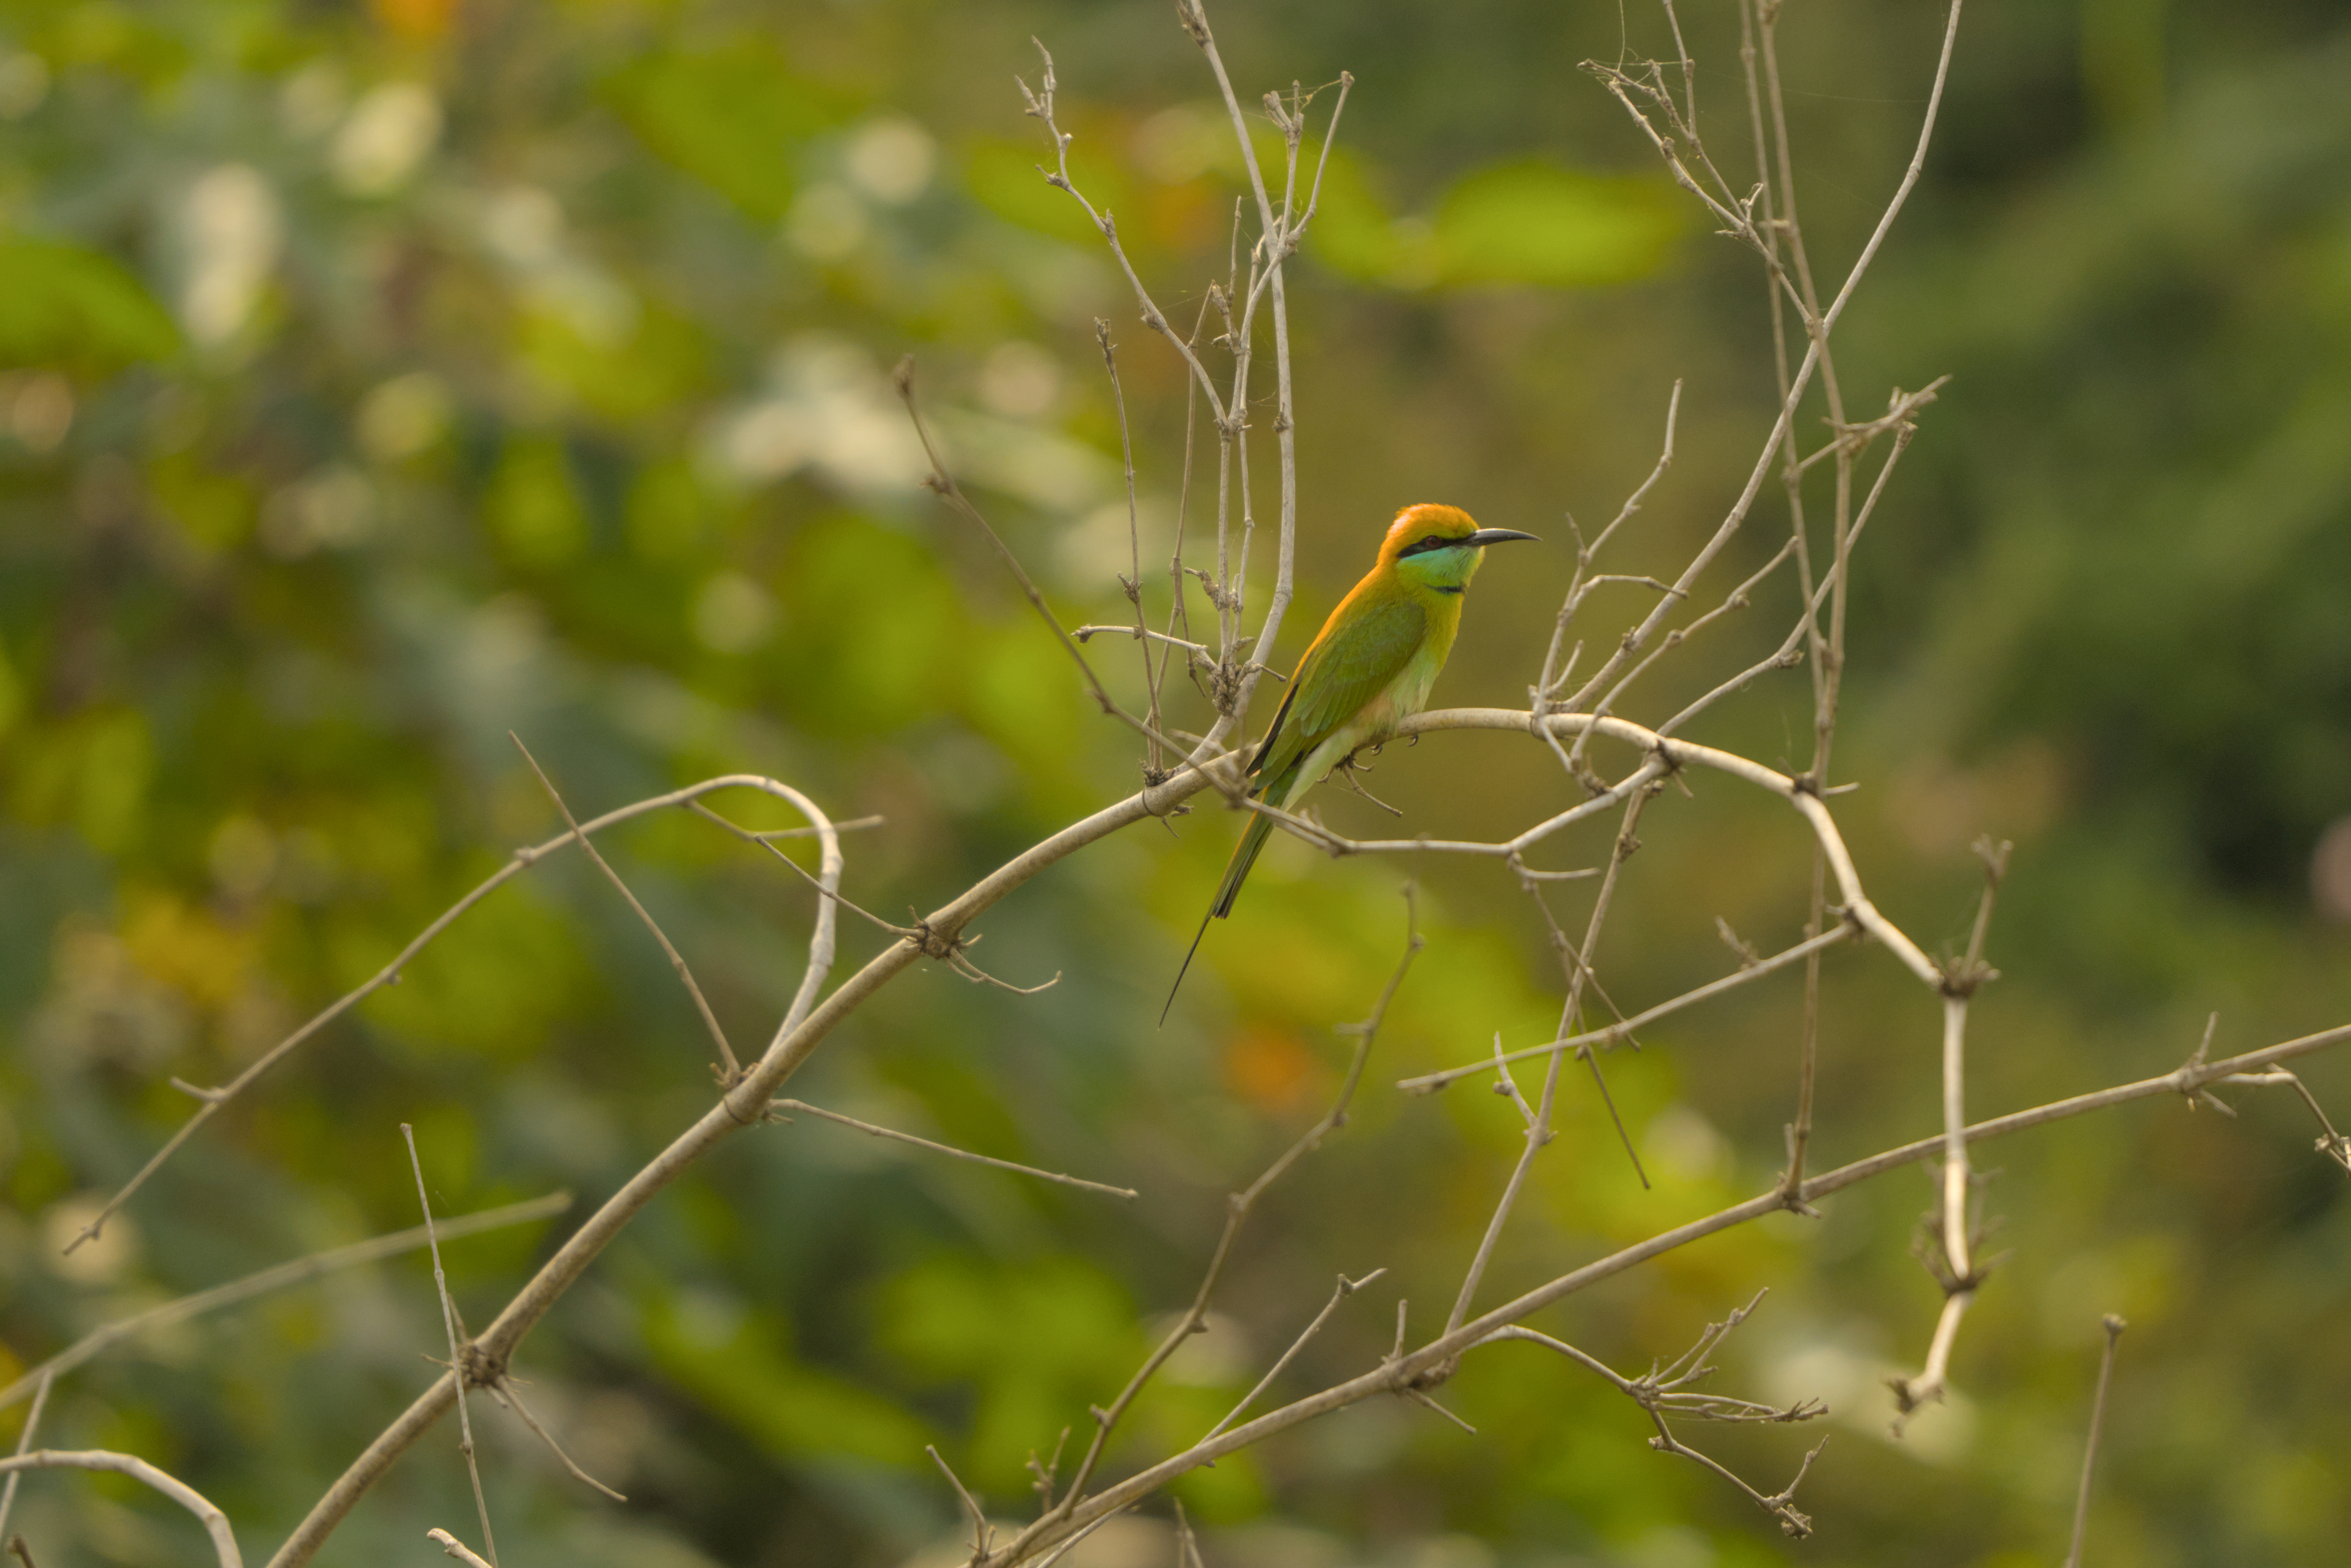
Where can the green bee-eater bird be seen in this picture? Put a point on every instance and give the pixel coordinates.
(1367, 670)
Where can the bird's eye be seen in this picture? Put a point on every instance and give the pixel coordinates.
(1432, 542)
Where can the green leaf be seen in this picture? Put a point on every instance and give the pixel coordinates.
(740, 1364)
(1354, 232)
(1038, 1343)
(633, 375)
(1539, 222)
(12, 693)
(214, 511)
(533, 506)
(729, 116)
(117, 767)
(871, 608)
(67, 302)
(461, 998)
(1008, 179)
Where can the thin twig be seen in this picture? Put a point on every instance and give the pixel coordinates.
(458, 1368)
(677, 963)
(274, 1278)
(1345, 1288)
(1956, 1180)
(1133, 584)
(509, 1394)
(944, 483)
(981, 1534)
(1188, 1546)
(1934, 1379)
(1799, 1131)
(1404, 1368)
(1577, 961)
(1280, 240)
(213, 1100)
(1041, 108)
(892, 1133)
(1754, 970)
(768, 835)
(963, 966)
(1639, 636)
(1236, 1213)
(831, 895)
(1666, 1390)
(215, 1521)
(25, 1441)
(2331, 1143)
(455, 1548)
(1085, 634)
(2114, 1326)
(1552, 676)
(1737, 599)
(1960, 982)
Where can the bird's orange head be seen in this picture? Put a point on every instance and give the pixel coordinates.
(1438, 547)
(1426, 527)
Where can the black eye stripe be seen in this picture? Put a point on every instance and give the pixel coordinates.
(1432, 542)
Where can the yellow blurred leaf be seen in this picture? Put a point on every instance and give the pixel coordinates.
(1539, 222)
(533, 507)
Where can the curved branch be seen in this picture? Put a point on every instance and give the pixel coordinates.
(215, 1521)
(1400, 1373)
(938, 936)
(1678, 753)
(524, 859)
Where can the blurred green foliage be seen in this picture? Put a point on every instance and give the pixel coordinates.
(378, 379)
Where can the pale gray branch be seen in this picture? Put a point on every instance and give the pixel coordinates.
(215, 1521)
(892, 1133)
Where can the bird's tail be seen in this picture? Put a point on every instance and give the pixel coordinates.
(1245, 854)
(1166, 1006)
(1237, 870)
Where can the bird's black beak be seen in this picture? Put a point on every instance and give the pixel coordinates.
(1496, 536)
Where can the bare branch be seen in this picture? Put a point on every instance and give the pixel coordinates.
(1041, 108)
(508, 1394)
(1934, 1380)
(273, 1279)
(2114, 1327)
(1087, 633)
(1577, 961)
(830, 895)
(1132, 583)
(1402, 1369)
(944, 483)
(215, 1521)
(676, 960)
(523, 859)
(981, 1532)
(46, 1376)
(892, 1133)
(458, 1365)
(1638, 637)
(1754, 970)
(452, 1547)
(1237, 1214)
(2331, 1143)
(1345, 1288)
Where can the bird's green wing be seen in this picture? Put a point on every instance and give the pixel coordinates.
(1340, 673)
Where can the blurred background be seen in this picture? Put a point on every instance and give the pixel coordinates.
(380, 377)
